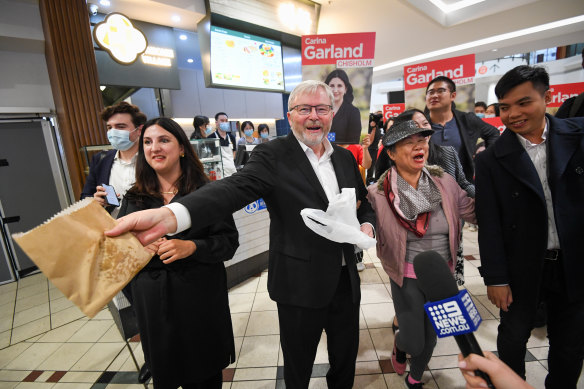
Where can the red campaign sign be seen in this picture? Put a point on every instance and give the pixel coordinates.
(343, 50)
(461, 70)
(562, 92)
(495, 122)
(392, 110)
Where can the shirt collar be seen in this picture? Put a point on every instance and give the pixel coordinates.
(527, 144)
(328, 147)
(119, 158)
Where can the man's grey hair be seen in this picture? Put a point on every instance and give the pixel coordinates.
(308, 87)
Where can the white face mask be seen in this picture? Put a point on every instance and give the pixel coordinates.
(490, 116)
(120, 139)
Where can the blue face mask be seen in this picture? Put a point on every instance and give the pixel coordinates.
(264, 134)
(480, 115)
(120, 139)
(209, 130)
(224, 126)
(248, 132)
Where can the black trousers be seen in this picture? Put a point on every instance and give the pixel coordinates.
(565, 324)
(300, 332)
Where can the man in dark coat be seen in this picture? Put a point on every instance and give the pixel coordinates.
(314, 280)
(455, 128)
(529, 193)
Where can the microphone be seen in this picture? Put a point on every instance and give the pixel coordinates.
(452, 312)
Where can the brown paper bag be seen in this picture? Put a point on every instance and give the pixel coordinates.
(72, 251)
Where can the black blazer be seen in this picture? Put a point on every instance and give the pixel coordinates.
(99, 172)
(511, 209)
(304, 268)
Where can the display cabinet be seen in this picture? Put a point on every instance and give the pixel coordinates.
(209, 152)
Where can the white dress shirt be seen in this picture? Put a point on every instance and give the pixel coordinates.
(122, 177)
(538, 155)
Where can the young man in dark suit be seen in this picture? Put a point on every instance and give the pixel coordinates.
(116, 167)
(529, 193)
(455, 128)
(314, 280)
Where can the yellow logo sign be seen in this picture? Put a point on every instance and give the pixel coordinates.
(120, 38)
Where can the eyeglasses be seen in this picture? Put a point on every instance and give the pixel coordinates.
(305, 109)
(439, 91)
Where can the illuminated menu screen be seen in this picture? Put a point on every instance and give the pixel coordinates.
(245, 61)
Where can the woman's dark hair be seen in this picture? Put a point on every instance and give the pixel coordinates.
(199, 121)
(262, 127)
(342, 75)
(518, 75)
(192, 171)
(245, 124)
(496, 108)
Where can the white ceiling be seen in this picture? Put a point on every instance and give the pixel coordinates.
(409, 28)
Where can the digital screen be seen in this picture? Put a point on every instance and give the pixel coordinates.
(245, 61)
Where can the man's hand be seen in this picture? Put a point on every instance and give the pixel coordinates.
(148, 225)
(99, 195)
(500, 296)
(367, 229)
(173, 249)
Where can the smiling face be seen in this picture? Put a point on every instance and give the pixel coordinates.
(522, 111)
(339, 89)
(410, 154)
(311, 129)
(439, 96)
(161, 150)
(421, 120)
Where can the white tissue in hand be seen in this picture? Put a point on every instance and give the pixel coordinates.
(339, 223)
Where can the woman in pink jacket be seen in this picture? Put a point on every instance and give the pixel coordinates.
(418, 208)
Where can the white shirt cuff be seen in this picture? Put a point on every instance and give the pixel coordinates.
(183, 217)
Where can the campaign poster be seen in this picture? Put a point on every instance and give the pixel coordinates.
(345, 63)
(461, 70)
(562, 92)
(495, 122)
(392, 110)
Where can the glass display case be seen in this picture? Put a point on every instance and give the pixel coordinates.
(89, 151)
(209, 152)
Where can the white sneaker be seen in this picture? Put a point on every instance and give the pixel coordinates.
(360, 266)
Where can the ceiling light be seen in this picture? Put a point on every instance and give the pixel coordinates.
(175, 18)
(190, 60)
(182, 37)
(482, 42)
(447, 8)
(105, 3)
(102, 87)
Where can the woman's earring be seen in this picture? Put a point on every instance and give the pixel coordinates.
(182, 155)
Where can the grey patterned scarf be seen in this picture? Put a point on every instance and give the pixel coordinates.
(413, 202)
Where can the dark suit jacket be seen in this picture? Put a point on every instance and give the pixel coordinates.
(304, 268)
(99, 172)
(471, 128)
(511, 209)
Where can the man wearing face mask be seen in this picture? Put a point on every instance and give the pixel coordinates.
(116, 167)
(227, 142)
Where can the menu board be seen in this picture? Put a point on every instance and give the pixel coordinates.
(245, 61)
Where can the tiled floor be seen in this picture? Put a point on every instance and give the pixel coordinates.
(46, 342)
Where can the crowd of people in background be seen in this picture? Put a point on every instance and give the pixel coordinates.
(416, 178)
